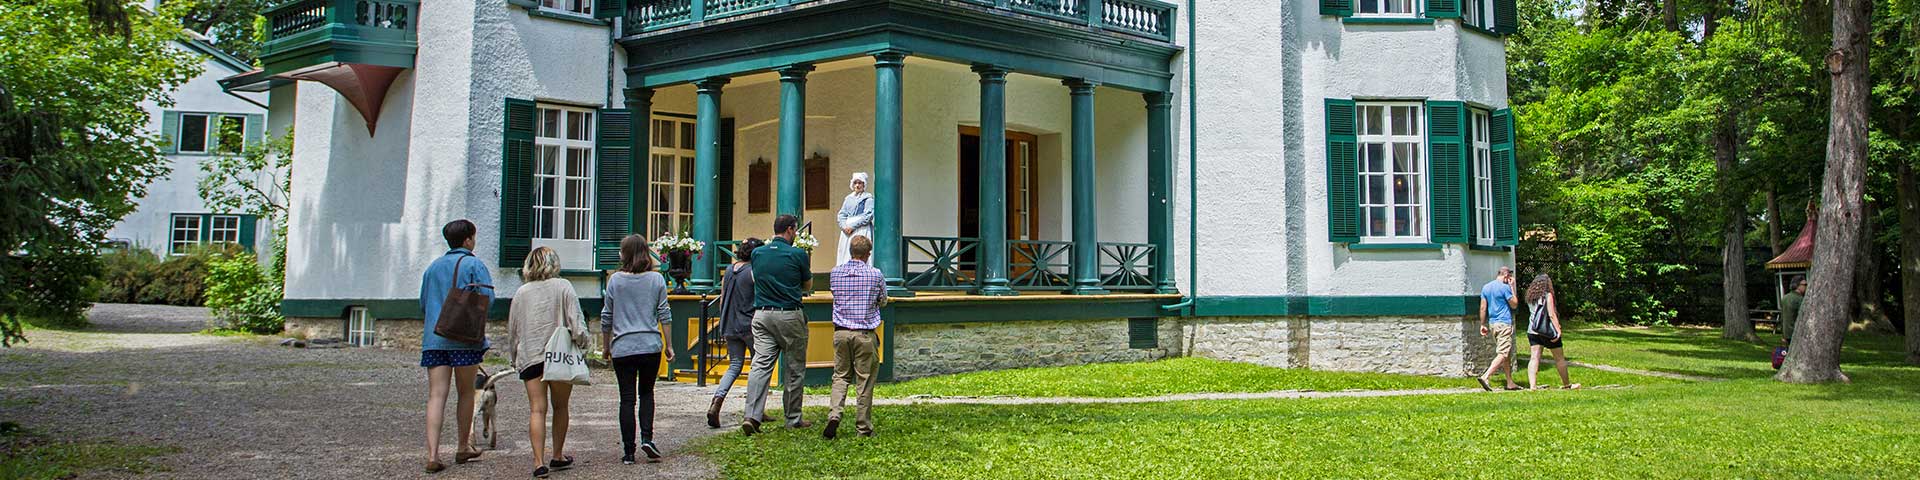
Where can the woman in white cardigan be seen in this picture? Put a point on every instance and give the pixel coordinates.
(543, 304)
(856, 216)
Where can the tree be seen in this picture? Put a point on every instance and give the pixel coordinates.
(229, 24)
(1815, 357)
(1895, 140)
(74, 150)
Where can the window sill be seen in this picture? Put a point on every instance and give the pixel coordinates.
(1394, 246)
(533, 10)
(1490, 248)
(1479, 29)
(1387, 20)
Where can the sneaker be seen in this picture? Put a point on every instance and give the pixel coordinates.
(653, 452)
(540, 472)
(750, 427)
(626, 459)
(561, 464)
(832, 429)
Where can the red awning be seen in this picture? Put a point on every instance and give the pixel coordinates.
(1800, 254)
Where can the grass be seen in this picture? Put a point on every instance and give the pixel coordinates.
(227, 332)
(1747, 427)
(1195, 375)
(26, 455)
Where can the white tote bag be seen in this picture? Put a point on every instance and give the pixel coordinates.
(565, 361)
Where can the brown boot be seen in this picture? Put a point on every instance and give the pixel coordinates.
(713, 412)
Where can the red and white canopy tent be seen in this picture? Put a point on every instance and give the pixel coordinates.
(1794, 262)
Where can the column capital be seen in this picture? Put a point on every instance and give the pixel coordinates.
(638, 95)
(795, 73)
(993, 73)
(889, 58)
(1158, 99)
(1080, 86)
(711, 84)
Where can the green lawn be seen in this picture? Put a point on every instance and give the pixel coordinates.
(26, 455)
(1748, 427)
(1197, 375)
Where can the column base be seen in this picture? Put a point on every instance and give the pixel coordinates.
(1166, 289)
(701, 287)
(996, 289)
(1088, 290)
(896, 290)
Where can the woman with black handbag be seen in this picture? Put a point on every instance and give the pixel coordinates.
(736, 322)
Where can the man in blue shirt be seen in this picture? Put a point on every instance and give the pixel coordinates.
(449, 362)
(1496, 318)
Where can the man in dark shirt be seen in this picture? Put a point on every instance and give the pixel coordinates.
(781, 275)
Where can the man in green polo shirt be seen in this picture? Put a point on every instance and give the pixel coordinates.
(782, 273)
(1790, 310)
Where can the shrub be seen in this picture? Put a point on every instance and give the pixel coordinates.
(181, 280)
(242, 295)
(124, 272)
(58, 286)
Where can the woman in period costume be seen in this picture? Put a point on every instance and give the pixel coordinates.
(856, 216)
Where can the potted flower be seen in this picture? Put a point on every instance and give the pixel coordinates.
(680, 251)
(806, 242)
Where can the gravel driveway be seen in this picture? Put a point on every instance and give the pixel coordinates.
(247, 408)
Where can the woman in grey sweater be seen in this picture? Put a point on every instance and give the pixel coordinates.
(633, 324)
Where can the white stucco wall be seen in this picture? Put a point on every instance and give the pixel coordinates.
(149, 225)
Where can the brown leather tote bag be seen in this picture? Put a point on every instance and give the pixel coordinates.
(463, 315)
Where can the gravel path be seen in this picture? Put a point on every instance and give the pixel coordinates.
(1650, 373)
(247, 408)
(822, 400)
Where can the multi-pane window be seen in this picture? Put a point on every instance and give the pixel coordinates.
(670, 189)
(185, 233)
(577, 7)
(563, 174)
(1482, 178)
(1478, 13)
(232, 134)
(360, 331)
(1386, 8)
(225, 229)
(209, 132)
(1392, 171)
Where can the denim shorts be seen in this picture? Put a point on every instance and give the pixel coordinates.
(450, 358)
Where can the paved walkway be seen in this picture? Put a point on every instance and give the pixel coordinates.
(1650, 373)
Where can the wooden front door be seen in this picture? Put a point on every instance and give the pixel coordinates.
(1023, 195)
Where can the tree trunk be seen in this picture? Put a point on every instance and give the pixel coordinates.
(1670, 13)
(1712, 21)
(1815, 356)
(1910, 258)
(1773, 220)
(1734, 321)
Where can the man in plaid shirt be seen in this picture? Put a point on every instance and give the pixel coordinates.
(858, 293)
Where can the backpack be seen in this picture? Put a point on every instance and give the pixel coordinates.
(1540, 323)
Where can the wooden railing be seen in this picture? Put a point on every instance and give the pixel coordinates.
(1143, 18)
(379, 18)
(940, 263)
(1126, 266)
(1039, 264)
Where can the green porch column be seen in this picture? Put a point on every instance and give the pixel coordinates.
(889, 252)
(993, 180)
(640, 102)
(1086, 234)
(1160, 189)
(706, 168)
(793, 140)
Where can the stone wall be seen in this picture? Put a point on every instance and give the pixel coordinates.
(938, 349)
(1450, 346)
(1271, 341)
(397, 332)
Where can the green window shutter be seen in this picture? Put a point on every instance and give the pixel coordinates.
(725, 182)
(1506, 19)
(516, 184)
(1343, 173)
(1342, 8)
(525, 3)
(1506, 208)
(256, 129)
(609, 8)
(170, 132)
(1447, 178)
(247, 228)
(613, 186)
(1444, 8)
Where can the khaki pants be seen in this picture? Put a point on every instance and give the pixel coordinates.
(854, 359)
(778, 335)
(1502, 340)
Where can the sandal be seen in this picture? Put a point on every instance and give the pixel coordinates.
(565, 462)
(1483, 384)
(540, 472)
(435, 467)
(1571, 386)
(461, 458)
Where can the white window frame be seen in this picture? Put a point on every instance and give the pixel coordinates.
(218, 145)
(1478, 13)
(175, 246)
(1414, 8)
(1416, 179)
(578, 8)
(206, 132)
(1482, 156)
(215, 232)
(360, 331)
(670, 182)
(556, 145)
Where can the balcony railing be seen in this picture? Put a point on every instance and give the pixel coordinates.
(367, 19)
(1143, 18)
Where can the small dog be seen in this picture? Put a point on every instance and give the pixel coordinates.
(484, 384)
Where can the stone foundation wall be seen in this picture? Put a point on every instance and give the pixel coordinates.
(1450, 346)
(938, 349)
(1271, 341)
(396, 332)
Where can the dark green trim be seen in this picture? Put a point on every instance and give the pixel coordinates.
(529, 4)
(1489, 248)
(402, 308)
(1480, 30)
(218, 56)
(537, 12)
(1336, 306)
(1386, 21)
(582, 273)
(1395, 246)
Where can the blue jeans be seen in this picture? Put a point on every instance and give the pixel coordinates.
(736, 358)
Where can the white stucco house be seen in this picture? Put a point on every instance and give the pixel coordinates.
(203, 121)
(1300, 184)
